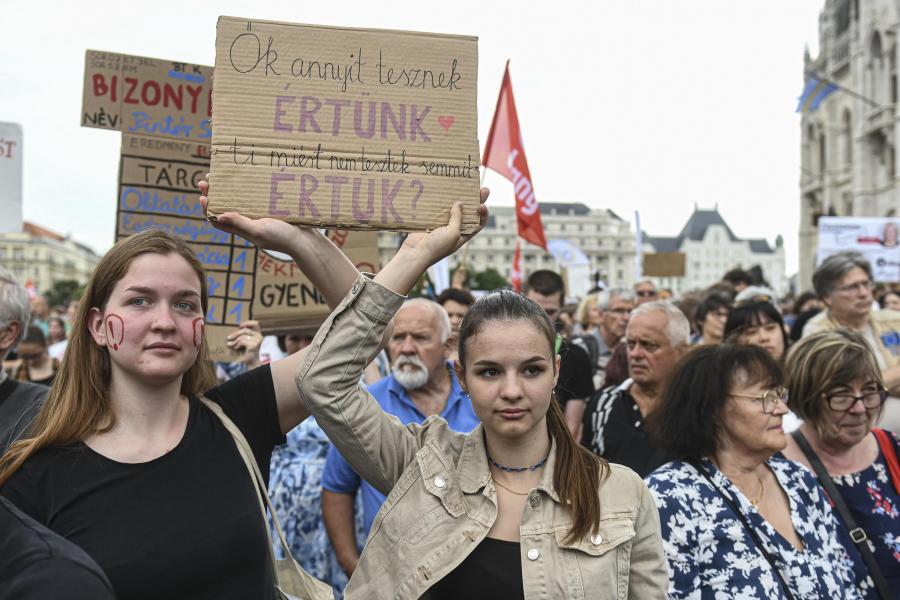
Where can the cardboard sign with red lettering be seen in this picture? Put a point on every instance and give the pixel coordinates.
(147, 96)
(344, 128)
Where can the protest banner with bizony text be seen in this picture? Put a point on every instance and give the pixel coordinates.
(158, 190)
(147, 96)
(344, 128)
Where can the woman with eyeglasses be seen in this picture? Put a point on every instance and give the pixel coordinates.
(836, 387)
(738, 521)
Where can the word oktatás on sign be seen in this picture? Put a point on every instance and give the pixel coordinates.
(347, 128)
(147, 96)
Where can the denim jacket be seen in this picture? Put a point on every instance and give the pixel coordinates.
(441, 501)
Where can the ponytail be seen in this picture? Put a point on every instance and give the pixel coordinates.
(576, 476)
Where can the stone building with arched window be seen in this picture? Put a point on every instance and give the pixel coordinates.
(848, 163)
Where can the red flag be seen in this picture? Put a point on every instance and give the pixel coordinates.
(516, 275)
(505, 153)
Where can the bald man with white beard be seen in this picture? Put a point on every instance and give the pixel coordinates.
(422, 383)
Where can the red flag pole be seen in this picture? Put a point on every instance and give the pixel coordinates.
(516, 275)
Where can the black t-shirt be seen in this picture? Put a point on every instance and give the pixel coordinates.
(493, 571)
(19, 403)
(37, 564)
(614, 429)
(185, 525)
(576, 374)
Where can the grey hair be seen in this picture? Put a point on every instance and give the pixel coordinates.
(442, 317)
(835, 267)
(678, 328)
(643, 281)
(14, 303)
(605, 297)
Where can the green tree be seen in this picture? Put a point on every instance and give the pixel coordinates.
(489, 280)
(64, 292)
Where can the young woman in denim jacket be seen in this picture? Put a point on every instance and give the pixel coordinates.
(515, 509)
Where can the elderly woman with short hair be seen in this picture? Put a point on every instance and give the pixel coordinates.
(835, 386)
(738, 521)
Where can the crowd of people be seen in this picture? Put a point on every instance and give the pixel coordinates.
(724, 444)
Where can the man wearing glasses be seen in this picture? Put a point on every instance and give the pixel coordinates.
(645, 291)
(844, 283)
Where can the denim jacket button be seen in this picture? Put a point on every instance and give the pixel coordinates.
(533, 554)
(534, 500)
(355, 289)
(439, 482)
(596, 539)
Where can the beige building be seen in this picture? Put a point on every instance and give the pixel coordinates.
(711, 249)
(848, 161)
(44, 257)
(605, 238)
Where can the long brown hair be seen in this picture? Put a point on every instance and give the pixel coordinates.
(578, 472)
(77, 405)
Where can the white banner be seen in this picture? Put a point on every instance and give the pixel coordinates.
(877, 238)
(10, 177)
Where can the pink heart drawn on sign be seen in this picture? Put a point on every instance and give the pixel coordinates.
(446, 122)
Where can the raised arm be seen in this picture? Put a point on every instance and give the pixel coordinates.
(376, 445)
(327, 268)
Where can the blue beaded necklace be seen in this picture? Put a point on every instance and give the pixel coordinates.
(536, 465)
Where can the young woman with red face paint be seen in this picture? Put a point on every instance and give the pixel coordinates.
(126, 461)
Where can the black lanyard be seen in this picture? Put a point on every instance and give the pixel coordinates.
(753, 535)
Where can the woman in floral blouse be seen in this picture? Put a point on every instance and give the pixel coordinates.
(836, 388)
(738, 522)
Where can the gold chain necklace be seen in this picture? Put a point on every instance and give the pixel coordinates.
(762, 490)
(508, 489)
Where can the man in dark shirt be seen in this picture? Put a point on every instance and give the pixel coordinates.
(19, 401)
(657, 335)
(575, 383)
(36, 563)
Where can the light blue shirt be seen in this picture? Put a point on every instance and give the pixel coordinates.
(339, 476)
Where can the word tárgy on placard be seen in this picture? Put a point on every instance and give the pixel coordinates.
(345, 128)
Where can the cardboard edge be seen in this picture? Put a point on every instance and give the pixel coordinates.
(456, 36)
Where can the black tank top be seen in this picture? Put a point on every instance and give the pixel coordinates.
(493, 571)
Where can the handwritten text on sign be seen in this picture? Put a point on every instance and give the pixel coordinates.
(350, 128)
(147, 96)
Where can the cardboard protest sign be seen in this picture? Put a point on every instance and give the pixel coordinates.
(10, 177)
(158, 190)
(146, 96)
(346, 128)
(285, 299)
(664, 264)
(876, 238)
